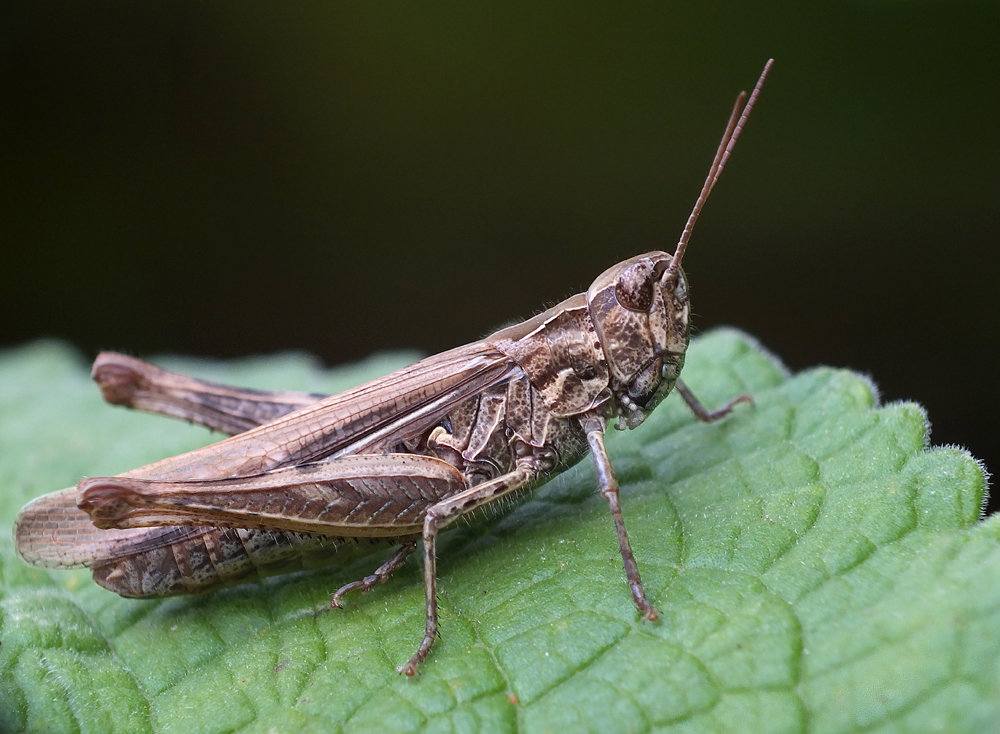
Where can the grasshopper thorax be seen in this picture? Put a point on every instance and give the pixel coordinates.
(639, 309)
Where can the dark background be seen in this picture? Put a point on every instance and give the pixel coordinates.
(223, 179)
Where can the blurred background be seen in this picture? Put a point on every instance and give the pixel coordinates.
(224, 179)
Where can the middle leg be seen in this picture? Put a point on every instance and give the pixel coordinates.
(438, 518)
(380, 576)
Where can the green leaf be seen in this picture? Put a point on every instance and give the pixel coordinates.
(817, 567)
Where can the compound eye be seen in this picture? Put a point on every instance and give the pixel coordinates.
(634, 288)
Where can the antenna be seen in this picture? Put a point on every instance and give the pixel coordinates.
(737, 120)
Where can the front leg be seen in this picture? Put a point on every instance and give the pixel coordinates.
(438, 518)
(704, 414)
(593, 425)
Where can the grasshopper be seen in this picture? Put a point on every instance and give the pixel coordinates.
(393, 461)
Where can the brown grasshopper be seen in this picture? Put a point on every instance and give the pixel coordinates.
(392, 461)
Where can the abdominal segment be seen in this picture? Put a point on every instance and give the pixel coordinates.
(223, 556)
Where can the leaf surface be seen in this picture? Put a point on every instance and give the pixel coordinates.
(817, 567)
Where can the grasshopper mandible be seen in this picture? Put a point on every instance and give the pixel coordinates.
(393, 461)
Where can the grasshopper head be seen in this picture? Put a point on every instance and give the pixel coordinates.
(640, 311)
(640, 306)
